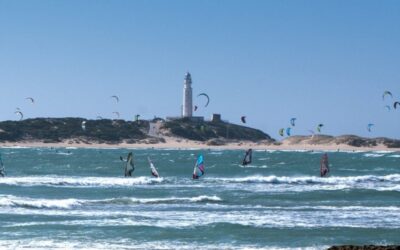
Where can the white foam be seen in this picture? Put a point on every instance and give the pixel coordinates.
(392, 188)
(253, 166)
(62, 153)
(310, 179)
(46, 243)
(351, 217)
(14, 201)
(215, 153)
(201, 198)
(373, 155)
(15, 147)
(79, 181)
(383, 151)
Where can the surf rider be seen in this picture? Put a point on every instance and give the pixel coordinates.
(129, 166)
(2, 169)
(324, 165)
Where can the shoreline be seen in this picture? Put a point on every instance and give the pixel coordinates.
(185, 144)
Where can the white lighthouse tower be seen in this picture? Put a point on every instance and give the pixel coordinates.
(187, 109)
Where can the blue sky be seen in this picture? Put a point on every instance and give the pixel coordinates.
(319, 61)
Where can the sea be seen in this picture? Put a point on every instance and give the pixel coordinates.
(73, 198)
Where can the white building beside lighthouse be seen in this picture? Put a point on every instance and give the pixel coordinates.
(187, 108)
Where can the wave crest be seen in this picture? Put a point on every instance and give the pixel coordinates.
(311, 179)
(26, 202)
(79, 181)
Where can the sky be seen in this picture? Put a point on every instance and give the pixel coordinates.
(319, 61)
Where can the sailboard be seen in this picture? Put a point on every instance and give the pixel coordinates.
(198, 170)
(129, 166)
(248, 157)
(153, 169)
(2, 168)
(324, 165)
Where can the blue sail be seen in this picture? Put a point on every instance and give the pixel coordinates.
(199, 167)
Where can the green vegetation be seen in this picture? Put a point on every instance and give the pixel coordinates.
(53, 130)
(58, 129)
(203, 131)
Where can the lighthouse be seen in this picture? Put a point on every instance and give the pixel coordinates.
(187, 109)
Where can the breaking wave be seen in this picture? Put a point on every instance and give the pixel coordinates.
(272, 179)
(79, 181)
(26, 202)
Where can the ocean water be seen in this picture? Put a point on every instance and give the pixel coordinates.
(78, 198)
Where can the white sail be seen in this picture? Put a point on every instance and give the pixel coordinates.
(153, 169)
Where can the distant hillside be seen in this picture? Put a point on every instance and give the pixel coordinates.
(207, 130)
(351, 140)
(59, 129)
(53, 130)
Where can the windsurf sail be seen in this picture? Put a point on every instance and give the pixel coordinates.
(198, 168)
(247, 158)
(324, 165)
(2, 168)
(129, 166)
(153, 169)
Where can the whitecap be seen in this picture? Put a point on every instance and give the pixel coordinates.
(27, 202)
(373, 155)
(79, 181)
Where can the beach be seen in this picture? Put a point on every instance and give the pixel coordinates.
(179, 143)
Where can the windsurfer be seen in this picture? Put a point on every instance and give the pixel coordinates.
(324, 165)
(2, 169)
(198, 168)
(129, 166)
(248, 157)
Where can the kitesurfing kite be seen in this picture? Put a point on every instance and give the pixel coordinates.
(387, 93)
(387, 107)
(292, 121)
(369, 126)
(396, 104)
(319, 127)
(324, 168)
(31, 99)
(2, 168)
(116, 113)
(243, 118)
(129, 166)
(281, 131)
(198, 170)
(116, 98)
(21, 115)
(195, 108)
(247, 157)
(83, 125)
(288, 131)
(205, 95)
(153, 169)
